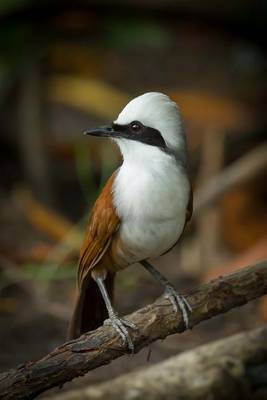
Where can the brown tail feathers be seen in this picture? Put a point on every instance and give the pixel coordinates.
(90, 310)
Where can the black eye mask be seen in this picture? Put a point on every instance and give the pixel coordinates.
(134, 131)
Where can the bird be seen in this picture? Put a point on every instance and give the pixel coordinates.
(140, 214)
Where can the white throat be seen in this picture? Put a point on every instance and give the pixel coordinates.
(151, 192)
(136, 152)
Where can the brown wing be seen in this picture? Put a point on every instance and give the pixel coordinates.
(103, 223)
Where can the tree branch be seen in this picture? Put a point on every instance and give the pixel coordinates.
(230, 368)
(155, 321)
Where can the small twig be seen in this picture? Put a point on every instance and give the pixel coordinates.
(155, 321)
(240, 171)
(30, 136)
(208, 222)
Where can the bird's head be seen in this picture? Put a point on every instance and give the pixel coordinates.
(151, 120)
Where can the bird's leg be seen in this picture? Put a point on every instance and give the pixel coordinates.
(120, 325)
(175, 298)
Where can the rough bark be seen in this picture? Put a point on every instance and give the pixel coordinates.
(231, 368)
(155, 321)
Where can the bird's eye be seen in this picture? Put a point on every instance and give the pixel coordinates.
(136, 126)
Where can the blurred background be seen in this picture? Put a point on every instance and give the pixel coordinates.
(68, 66)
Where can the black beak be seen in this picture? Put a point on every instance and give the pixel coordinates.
(102, 131)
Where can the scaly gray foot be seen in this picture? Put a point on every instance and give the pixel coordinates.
(180, 302)
(121, 325)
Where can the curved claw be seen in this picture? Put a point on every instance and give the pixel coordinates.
(120, 325)
(131, 325)
(180, 302)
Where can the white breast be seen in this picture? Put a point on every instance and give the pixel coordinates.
(151, 198)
